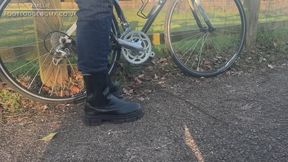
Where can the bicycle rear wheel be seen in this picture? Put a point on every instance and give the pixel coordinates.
(34, 60)
(202, 51)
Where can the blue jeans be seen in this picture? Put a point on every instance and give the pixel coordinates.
(93, 30)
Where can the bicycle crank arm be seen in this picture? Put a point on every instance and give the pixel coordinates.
(134, 46)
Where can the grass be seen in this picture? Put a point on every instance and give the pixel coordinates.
(270, 37)
(10, 101)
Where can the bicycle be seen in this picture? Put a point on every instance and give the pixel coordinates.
(37, 46)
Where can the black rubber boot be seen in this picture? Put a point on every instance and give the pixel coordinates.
(101, 106)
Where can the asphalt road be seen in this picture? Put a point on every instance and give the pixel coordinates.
(234, 118)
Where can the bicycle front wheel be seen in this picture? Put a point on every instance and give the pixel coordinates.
(205, 37)
(37, 50)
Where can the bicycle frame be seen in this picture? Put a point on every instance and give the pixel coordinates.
(133, 46)
(201, 22)
(195, 6)
(150, 20)
(152, 16)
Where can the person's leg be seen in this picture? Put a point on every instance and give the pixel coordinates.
(93, 30)
(93, 47)
(94, 24)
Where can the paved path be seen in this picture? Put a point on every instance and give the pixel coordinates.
(234, 118)
(228, 118)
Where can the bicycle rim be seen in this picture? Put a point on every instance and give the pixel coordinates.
(29, 33)
(199, 51)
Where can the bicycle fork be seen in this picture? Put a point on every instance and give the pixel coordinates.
(197, 9)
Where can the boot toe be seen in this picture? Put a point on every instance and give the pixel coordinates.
(124, 107)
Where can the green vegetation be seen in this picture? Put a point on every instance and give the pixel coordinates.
(10, 101)
(274, 38)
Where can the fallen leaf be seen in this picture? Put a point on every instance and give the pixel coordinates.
(2, 85)
(141, 98)
(271, 66)
(75, 89)
(163, 60)
(78, 76)
(161, 82)
(45, 107)
(262, 59)
(150, 68)
(141, 76)
(147, 91)
(156, 77)
(49, 137)
(138, 81)
(128, 92)
(190, 141)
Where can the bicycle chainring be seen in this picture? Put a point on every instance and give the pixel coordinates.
(136, 57)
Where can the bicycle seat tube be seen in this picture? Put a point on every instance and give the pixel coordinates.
(151, 18)
(153, 14)
(120, 15)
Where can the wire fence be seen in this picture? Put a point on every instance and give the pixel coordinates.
(273, 24)
(273, 13)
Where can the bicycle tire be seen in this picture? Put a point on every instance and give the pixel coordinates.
(201, 64)
(11, 79)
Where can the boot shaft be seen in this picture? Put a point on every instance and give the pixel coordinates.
(96, 87)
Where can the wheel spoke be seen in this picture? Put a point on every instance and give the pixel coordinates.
(28, 63)
(186, 40)
(37, 73)
(33, 79)
(201, 51)
(55, 81)
(25, 38)
(214, 51)
(71, 66)
(193, 47)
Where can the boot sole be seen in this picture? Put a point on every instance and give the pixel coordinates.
(115, 119)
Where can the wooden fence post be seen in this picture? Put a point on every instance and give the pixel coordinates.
(252, 8)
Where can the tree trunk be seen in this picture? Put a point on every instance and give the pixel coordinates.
(51, 75)
(252, 8)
